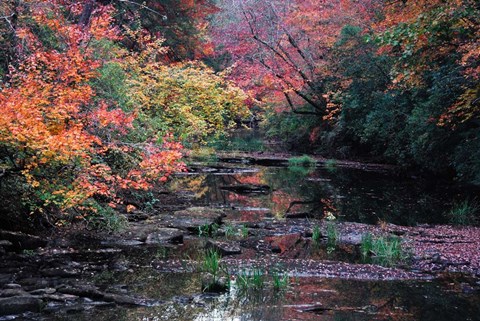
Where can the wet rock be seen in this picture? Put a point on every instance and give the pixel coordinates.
(19, 304)
(61, 297)
(224, 248)
(122, 299)
(122, 242)
(165, 235)
(12, 286)
(247, 189)
(13, 292)
(43, 291)
(88, 291)
(22, 241)
(60, 272)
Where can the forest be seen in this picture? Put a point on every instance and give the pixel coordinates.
(115, 112)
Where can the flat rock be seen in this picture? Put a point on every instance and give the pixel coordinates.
(165, 235)
(225, 248)
(194, 217)
(19, 304)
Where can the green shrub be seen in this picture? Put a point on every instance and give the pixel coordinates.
(305, 161)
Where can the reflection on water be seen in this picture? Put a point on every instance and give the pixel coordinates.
(352, 195)
(311, 299)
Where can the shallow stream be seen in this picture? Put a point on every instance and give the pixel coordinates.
(274, 203)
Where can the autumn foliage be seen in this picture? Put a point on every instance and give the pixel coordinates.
(74, 146)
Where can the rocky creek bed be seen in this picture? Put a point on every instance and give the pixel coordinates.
(152, 270)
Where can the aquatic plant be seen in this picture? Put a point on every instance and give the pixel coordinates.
(254, 278)
(463, 213)
(332, 234)
(316, 235)
(211, 263)
(280, 280)
(384, 250)
(244, 231)
(229, 231)
(207, 230)
(305, 161)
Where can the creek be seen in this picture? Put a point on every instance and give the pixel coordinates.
(261, 218)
